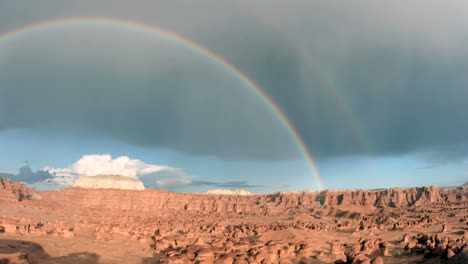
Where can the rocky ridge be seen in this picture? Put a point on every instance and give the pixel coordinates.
(283, 203)
(15, 192)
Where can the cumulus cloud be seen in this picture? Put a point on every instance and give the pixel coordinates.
(91, 165)
(152, 176)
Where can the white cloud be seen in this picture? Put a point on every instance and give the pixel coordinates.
(229, 192)
(173, 178)
(91, 165)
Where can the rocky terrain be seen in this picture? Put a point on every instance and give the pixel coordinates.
(80, 225)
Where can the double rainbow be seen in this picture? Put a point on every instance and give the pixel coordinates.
(259, 92)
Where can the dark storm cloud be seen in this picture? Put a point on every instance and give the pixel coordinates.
(26, 175)
(402, 78)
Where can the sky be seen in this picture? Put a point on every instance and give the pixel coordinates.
(376, 92)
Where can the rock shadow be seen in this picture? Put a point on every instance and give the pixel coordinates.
(37, 253)
(150, 260)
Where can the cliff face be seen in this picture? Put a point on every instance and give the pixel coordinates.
(109, 182)
(384, 198)
(159, 201)
(395, 198)
(271, 204)
(154, 200)
(14, 191)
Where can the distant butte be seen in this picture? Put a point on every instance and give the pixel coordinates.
(109, 182)
(112, 225)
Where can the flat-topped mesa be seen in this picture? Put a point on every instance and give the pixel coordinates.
(109, 182)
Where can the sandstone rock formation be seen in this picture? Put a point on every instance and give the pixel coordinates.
(15, 258)
(109, 182)
(13, 191)
(334, 226)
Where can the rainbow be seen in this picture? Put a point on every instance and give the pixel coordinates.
(259, 92)
(312, 67)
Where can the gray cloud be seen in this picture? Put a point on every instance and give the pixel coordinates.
(401, 76)
(26, 175)
(176, 180)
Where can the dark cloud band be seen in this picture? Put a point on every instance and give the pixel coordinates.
(403, 84)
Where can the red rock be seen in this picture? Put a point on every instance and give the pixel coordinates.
(270, 228)
(225, 259)
(15, 258)
(240, 261)
(15, 192)
(206, 255)
(377, 260)
(450, 253)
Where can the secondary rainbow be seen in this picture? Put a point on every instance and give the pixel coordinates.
(272, 107)
(315, 70)
(312, 67)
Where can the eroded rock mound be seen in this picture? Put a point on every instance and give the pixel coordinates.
(13, 191)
